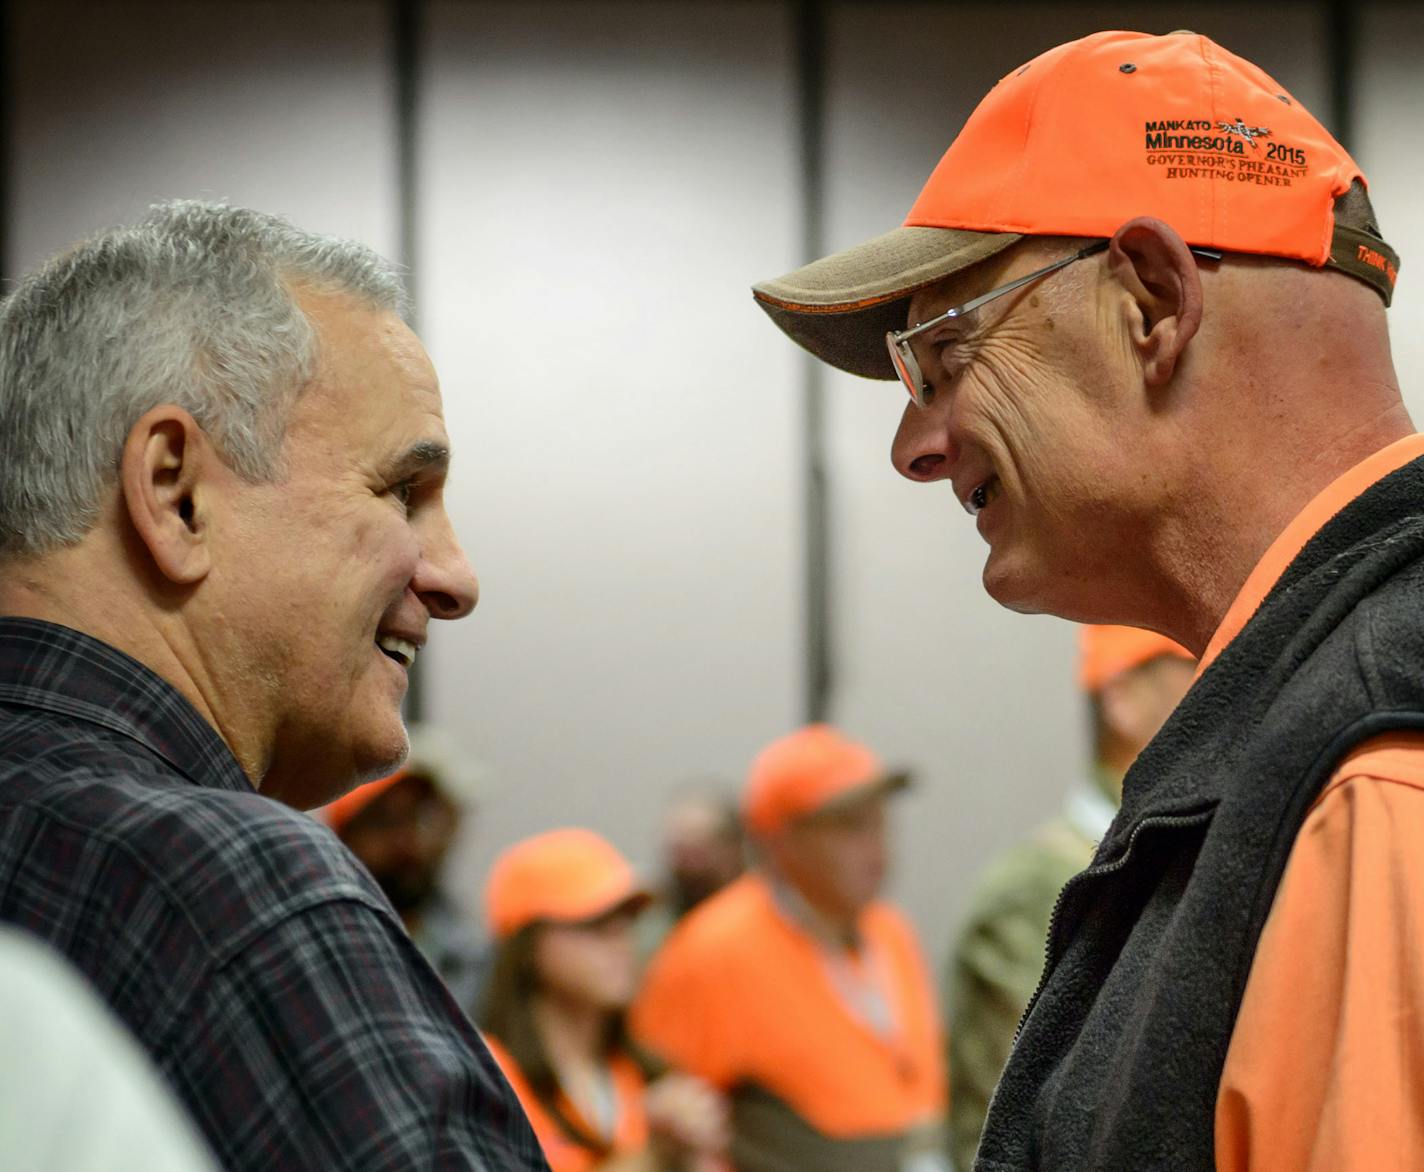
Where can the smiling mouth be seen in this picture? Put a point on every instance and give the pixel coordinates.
(402, 651)
(982, 497)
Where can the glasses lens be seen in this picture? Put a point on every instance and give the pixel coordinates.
(903, 359)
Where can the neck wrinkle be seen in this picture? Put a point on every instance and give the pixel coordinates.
(52, 590)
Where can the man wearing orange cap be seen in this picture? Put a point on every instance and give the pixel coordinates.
(797, 990)
(402, 828)
(1133, 679)
(1139, 308)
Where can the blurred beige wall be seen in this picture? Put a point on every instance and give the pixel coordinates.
(600, 182)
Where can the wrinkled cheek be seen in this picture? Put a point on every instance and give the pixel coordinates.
(392, 549)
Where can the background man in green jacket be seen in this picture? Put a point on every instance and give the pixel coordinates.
(1132, 680)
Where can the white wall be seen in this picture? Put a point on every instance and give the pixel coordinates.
(283, 106)
(601, 181)
(1389, 114)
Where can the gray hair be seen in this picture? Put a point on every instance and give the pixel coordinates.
(193, 306)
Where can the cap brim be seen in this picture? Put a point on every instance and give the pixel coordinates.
(841, 307)
(887, 783)
(634, 901)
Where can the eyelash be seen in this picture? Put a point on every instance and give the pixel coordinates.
(403, 490)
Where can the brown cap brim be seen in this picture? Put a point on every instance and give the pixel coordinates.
(840, 307)
(886, 784)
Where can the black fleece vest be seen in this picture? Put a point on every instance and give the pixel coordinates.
(1120, 1056)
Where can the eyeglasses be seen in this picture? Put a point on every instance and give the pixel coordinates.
(902, 354)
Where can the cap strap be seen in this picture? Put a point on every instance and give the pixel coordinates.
(1366, 256)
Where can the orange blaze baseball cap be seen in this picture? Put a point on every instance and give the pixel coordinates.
(338, 814)
(564, 877)
(433, 755)
(1082, 139)
(1107, 652)
(811, 770)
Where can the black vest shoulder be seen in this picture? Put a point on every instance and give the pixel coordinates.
(1120, 1056)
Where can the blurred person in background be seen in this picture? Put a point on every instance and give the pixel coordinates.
(223, 541)
(1139, 309)
(1132, 679)
(798, 990)
(562, 906)
(702, 851)
(402, 827)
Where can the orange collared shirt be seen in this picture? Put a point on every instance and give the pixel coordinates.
(741, 996)
(1326, 1064)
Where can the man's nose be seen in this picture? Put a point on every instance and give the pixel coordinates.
(444, 580)
(922, 448)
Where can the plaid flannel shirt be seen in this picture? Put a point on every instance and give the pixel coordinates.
(242, 944)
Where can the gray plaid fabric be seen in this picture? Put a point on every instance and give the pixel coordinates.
(246, 949)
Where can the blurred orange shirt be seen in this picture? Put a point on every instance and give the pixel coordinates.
(742, 997)
(630, 1133)
(1326, 1064)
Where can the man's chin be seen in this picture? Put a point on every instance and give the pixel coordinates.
(382, 757)
(320, 770)
(1011, 586)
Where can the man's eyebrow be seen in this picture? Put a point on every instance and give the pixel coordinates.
(427, 455)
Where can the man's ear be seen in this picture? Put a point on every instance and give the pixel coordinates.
(1158, 270)
(165, 460)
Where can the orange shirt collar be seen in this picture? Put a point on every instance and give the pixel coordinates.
(1308, 522)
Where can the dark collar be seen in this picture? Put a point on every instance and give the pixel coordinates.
(1183, 769)
(57, 669)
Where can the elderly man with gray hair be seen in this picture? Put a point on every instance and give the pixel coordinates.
(222, 540)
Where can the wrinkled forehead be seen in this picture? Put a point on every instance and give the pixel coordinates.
(373, 381)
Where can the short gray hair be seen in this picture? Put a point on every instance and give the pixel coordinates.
(193, 306)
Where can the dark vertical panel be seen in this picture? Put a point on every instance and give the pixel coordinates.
(810, 17)
(1342, 20)
(407, 27)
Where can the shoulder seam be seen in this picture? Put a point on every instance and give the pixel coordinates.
(217, 958)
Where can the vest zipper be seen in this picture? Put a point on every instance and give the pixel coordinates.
(1164, 820)
(1167, 820)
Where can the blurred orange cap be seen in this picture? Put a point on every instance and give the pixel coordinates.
(434, 755)
(1107, 652)
(566, 876)
(346, 807)
(807, 771)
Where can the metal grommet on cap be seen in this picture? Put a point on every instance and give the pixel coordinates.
(1127, 67)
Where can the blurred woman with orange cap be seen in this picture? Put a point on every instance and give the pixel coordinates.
(562, 907)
